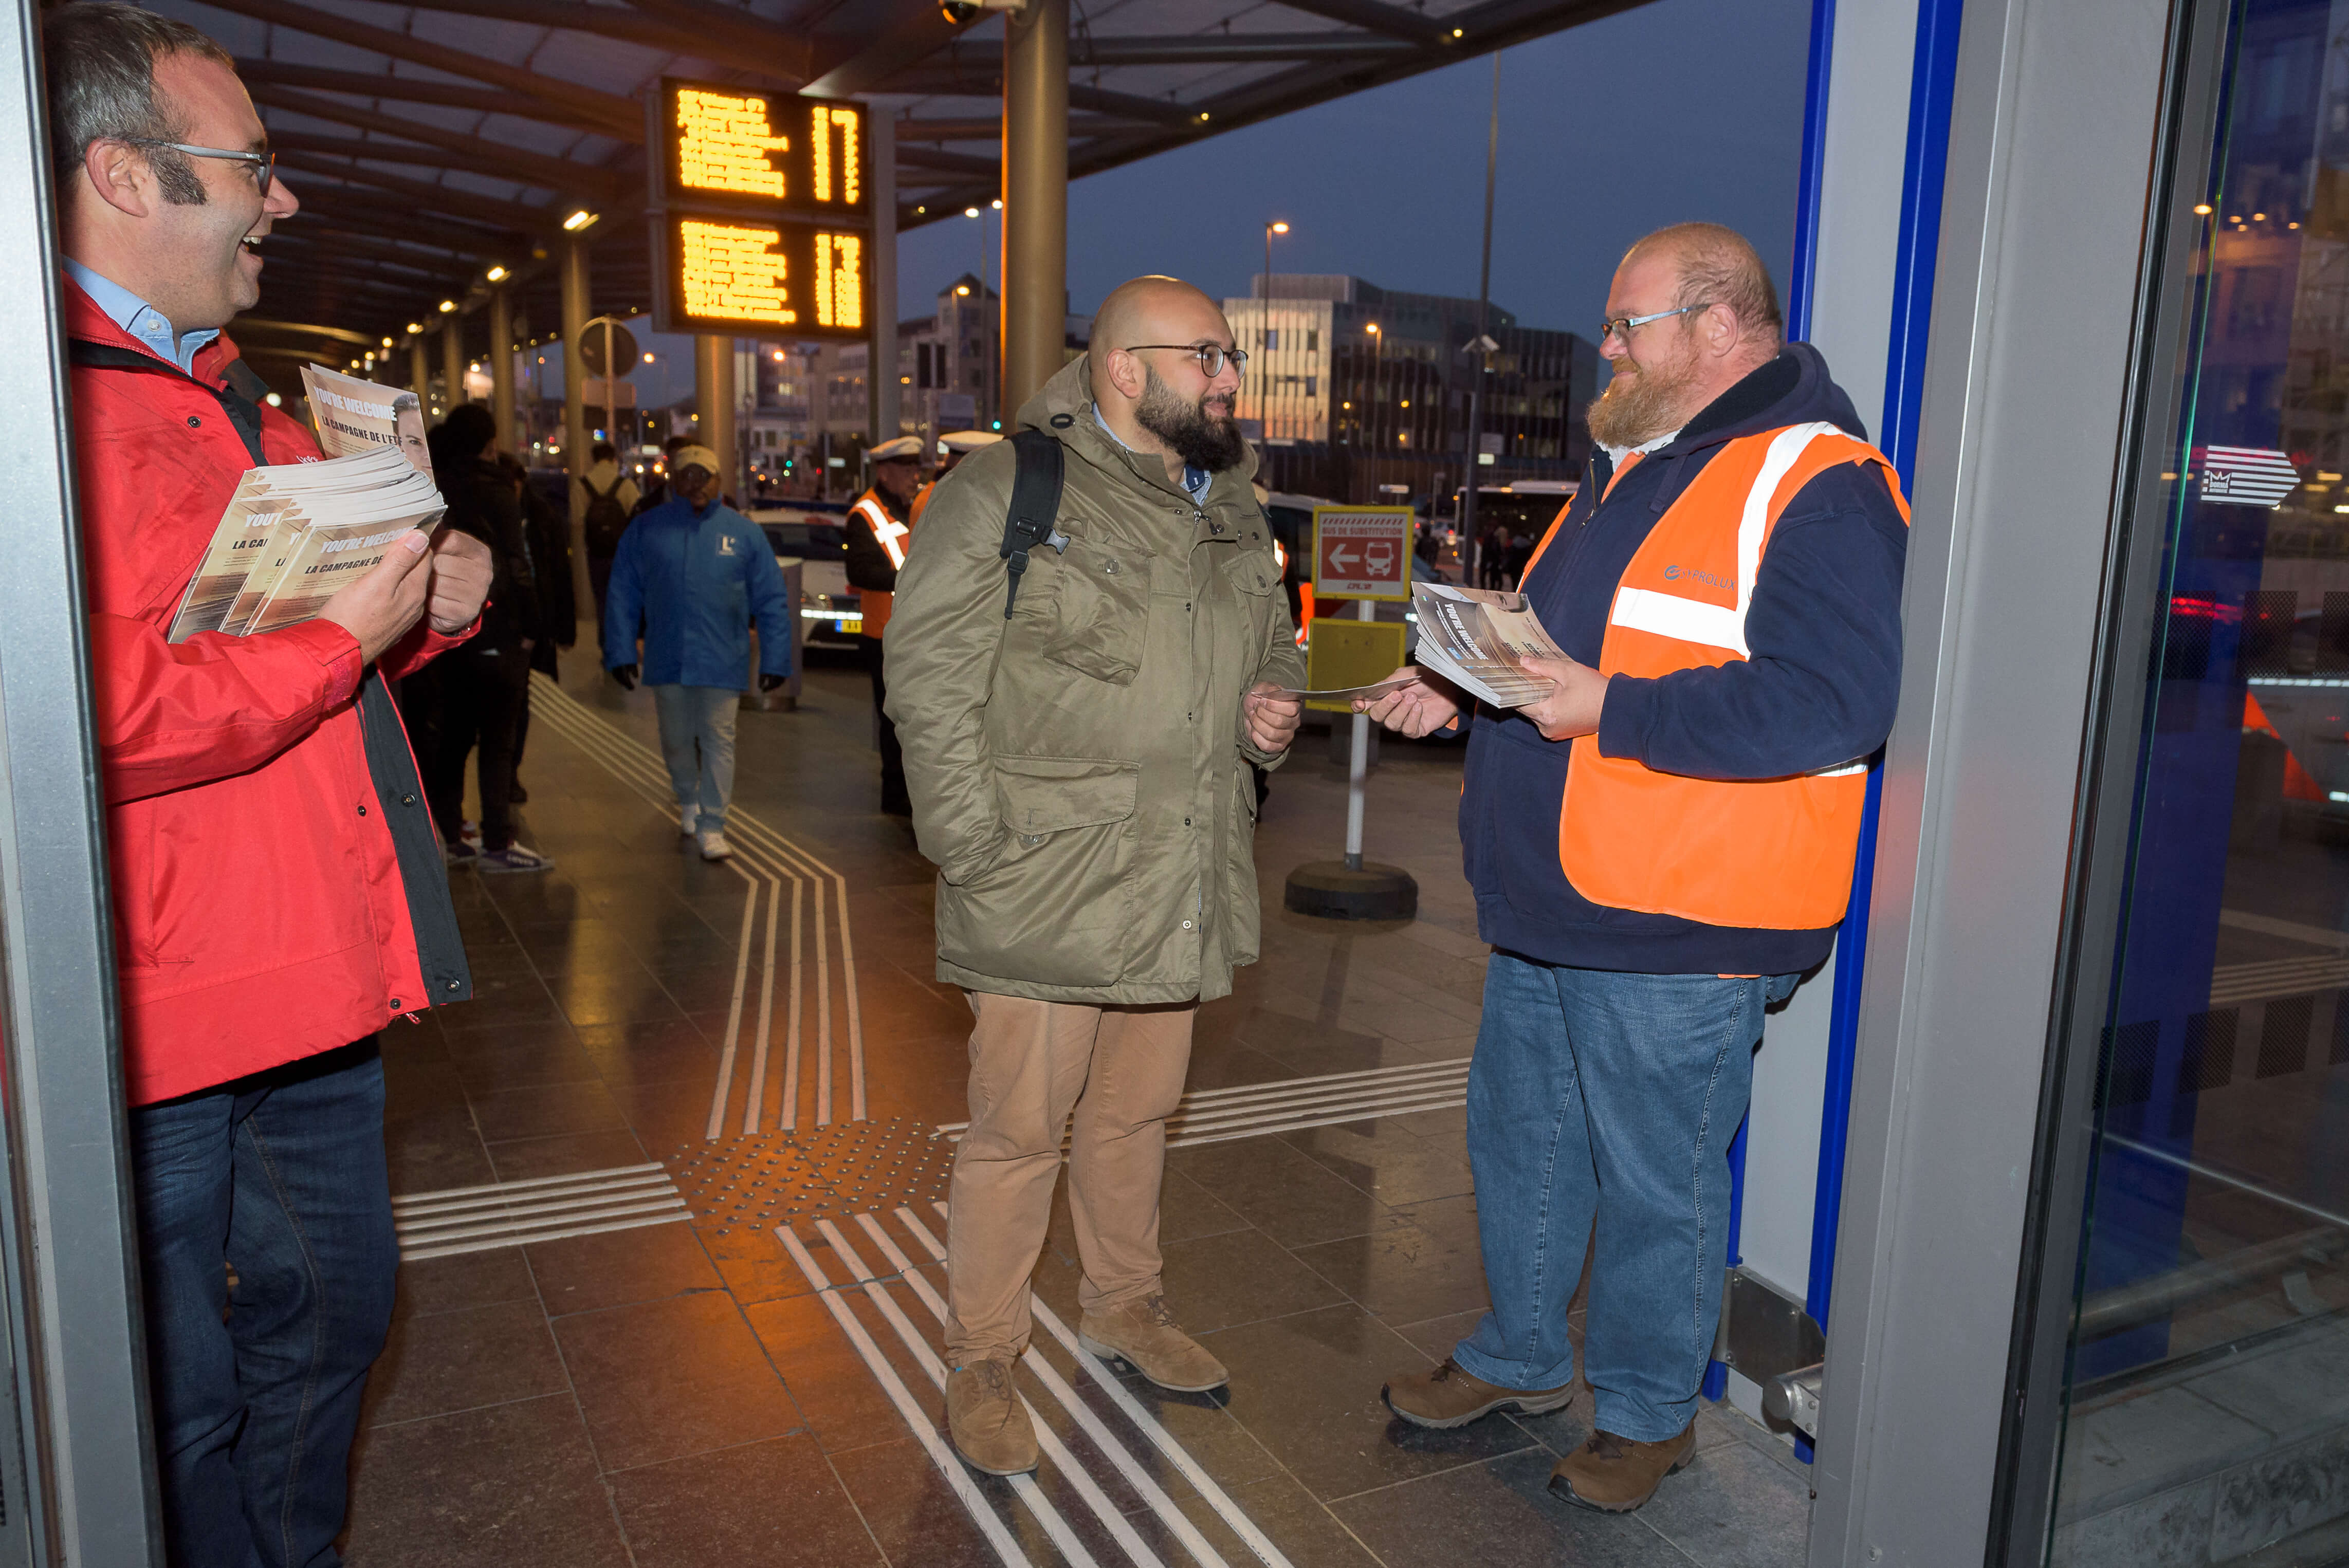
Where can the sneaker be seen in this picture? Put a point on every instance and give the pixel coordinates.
(714, 846)
(513, 858)
(1143, 1334)
(686, 818)
(1614, 1475)
(470, 833)
(459, 853)
(1448, 1397)
(987, 1420)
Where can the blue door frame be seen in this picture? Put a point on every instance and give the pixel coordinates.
(1932, 85)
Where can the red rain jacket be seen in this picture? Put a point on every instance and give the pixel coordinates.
(277, 889)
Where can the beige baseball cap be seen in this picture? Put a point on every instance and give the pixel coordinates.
(694, 457)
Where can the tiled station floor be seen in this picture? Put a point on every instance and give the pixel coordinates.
(679, 1391)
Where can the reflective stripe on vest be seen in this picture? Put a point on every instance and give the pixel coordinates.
(874, 604)
(1772, 854)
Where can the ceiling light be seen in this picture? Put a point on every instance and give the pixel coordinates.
(998, 203)
(578, 221)
(387, 343)
(416, 326)
(2202, 209)
(1456, 32)
(498, 275)
(970, 212)
(447, 306)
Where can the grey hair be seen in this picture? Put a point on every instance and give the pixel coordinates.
(99, 59)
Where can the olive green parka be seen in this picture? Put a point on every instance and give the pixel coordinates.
(1080, 771)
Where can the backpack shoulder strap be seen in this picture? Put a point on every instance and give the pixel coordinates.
(237, 400)
(1035, 504)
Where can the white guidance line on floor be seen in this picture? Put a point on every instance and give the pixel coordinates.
(545, 1209)
(765, 859)
(1152, 1430)
(1292, 1105)
(1111, 1448)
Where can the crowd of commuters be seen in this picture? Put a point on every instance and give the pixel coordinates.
(1659, 847)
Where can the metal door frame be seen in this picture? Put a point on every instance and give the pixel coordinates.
(2127, 623)
(68, 1272)
(2053, 106)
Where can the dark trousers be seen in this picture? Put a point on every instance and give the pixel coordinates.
(481, 699)
(894, 799)
(256, 1390)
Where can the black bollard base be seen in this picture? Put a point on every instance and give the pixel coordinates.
(1327, 889)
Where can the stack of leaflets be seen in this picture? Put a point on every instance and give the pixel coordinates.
(1478, 638)
(294, 532)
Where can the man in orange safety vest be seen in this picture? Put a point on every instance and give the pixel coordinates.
(880, 524)
(1662, 845)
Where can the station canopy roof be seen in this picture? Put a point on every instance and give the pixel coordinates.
(431, 142)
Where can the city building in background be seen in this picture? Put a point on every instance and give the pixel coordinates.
(1362, 393)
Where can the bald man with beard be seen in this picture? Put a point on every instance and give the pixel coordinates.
(1079, 760)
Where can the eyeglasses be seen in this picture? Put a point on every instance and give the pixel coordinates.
(1621, 326)
(265, 164)
(1210, 356)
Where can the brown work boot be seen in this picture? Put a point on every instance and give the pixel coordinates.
(988, 1424)
(1144, 1335)
(1448, 1396)
(1614, 1475)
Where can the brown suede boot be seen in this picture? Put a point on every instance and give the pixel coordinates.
(988, 1424)
(1448, 1396)
(1614, 1475)
(1144, 1335)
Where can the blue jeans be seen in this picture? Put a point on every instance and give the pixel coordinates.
(281, 1176)
(697, 737)
(1607, 1100)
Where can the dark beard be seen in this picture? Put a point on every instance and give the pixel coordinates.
(1201, 439)
(1631, 413)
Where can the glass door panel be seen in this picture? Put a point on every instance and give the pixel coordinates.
(2207, 1387)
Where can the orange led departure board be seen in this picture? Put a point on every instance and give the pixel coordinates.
(759, 213)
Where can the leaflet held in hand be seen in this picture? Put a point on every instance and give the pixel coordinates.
(293, 533)
(1478, 640)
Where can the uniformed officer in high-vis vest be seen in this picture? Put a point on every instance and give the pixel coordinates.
(953, 448)
(1661, 847)
(879, 524)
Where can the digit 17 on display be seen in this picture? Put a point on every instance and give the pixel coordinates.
(761, 212)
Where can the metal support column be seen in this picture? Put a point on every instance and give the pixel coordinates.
(713, 397)
(501, 370)
(420, 372)
(1035, 198)
(881, 388)
(452, 362)
(75, 1389)
(575, 422)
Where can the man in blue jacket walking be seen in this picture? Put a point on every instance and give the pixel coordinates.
(689, 577)
(1661, 846)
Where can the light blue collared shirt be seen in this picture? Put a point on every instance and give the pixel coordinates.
(139, 319)
(1194, 481)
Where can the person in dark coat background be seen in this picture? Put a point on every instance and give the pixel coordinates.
(547, 534)
(480, 692)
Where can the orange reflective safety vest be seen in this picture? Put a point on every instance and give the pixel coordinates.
(874, 603)
(1773, 853)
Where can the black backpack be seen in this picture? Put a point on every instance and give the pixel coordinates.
(607, 519)
(1035, 503)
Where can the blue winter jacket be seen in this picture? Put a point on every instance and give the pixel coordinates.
(1818, 690)
(690, 583)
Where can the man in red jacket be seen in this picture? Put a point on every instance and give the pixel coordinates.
(278, 892)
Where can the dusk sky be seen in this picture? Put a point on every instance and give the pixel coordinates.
(1681, 108)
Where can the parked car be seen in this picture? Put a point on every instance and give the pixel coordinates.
(815, 535)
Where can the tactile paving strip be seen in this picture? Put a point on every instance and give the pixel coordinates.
(770, 1179)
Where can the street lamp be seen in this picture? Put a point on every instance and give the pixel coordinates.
(1378, 364)
(1264, 314)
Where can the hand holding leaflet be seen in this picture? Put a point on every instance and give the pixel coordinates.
(1479, 640)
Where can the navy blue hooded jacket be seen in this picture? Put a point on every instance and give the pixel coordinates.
(1818, 691)
(690, 581)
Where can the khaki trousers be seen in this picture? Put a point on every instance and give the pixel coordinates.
(1121, 1069)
